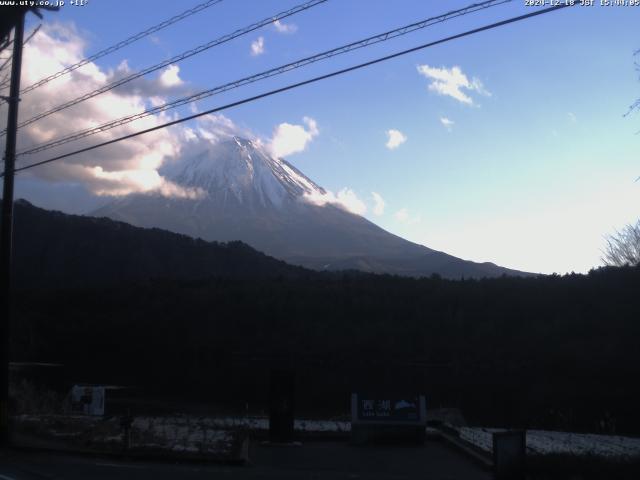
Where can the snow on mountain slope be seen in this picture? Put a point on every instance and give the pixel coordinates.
(245, 171)
(246, 194)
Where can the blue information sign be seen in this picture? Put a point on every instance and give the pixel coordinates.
(388, 409)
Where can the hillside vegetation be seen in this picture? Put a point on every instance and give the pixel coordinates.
(549, 352)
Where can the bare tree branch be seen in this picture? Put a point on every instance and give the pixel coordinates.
(623, 247)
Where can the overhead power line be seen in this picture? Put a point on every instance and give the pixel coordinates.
(32, 34)
(26, 40)
(300, 84)
(175, 59)
(6, 42)
(123, 43)
(4, 82)
(7, 61)
(266, 74)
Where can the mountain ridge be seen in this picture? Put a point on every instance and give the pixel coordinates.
(246, 194)
(55, 249)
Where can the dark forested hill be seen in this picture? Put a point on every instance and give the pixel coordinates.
(209, 320)
(56, 249)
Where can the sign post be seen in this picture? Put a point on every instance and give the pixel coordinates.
(509, 455)
(281, 406)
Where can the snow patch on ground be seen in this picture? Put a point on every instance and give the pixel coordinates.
(543, 442)
(187, 435)
(182, 434)
(249, 423)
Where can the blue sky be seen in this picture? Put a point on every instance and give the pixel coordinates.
(530, 167)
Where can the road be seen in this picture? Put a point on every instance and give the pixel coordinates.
(312, 460)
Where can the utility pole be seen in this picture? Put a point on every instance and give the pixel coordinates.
(6, 229)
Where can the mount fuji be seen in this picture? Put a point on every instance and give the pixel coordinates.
(241, 192)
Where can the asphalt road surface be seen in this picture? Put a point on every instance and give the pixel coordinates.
(311, 460)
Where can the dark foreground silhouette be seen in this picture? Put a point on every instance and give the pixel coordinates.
(189, 321)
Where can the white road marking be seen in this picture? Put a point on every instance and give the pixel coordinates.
(4, 477)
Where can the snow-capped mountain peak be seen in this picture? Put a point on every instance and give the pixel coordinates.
(249, 195)
(242, 170)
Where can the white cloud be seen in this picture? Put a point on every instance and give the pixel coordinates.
(170, 77)
(448, 124)
(403, 216)
(351, 202)
(395, 138)
(124, 182)
(124, 167)
(167, 83)
(478, 86)
(572, 117)
(190, 134)
(345, 198)
(378, 204)
(451, 82)
(156, 100)
(215, 127)
(257, 46)
(204, 132)
(284, 27)
(288, 139)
